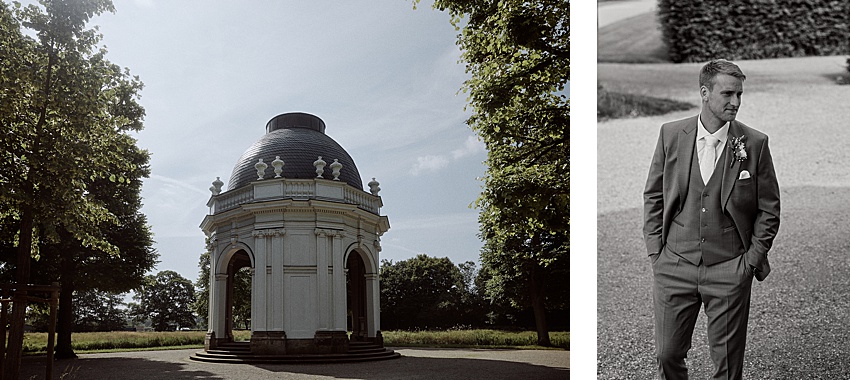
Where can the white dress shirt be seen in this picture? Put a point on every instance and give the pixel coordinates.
(721, 134)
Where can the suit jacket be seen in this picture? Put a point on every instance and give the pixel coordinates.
(752, 203)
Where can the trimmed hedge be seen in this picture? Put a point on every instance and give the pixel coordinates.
(698, 30)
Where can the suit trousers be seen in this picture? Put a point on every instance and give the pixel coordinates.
(680, 288)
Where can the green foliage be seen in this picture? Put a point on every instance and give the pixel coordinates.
(470, 338)
(166, 299)
(201, 306)
(697, 31)
(517, 53)
(242, 298)
(99, 311)
(66, 112)
(428, 292)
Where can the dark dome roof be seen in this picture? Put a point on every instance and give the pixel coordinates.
(299, 139)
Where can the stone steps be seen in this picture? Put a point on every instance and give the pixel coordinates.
(240, 352)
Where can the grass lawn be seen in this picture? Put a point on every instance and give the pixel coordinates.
(36, 343)
(620, 45)
(615, 105)
(633, 40)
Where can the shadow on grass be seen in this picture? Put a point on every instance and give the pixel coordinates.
(615, 105)
(406, 367)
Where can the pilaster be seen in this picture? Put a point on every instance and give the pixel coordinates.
(340, 308)
(322, 277)
(373, 307)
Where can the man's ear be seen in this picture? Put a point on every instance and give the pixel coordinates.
(703, 93)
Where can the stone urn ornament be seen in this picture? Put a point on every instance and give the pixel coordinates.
(216, 186)
(336, 166)
(374, 186)
(320, 167)
(261, 168)
(278, 166)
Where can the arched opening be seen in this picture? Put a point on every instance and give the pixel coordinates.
(356, 296)
(238, 300)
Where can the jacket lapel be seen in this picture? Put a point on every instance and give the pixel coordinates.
(685, 152)
(731, 166)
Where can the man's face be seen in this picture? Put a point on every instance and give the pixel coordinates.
(724, 99)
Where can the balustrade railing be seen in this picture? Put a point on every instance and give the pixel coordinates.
(295, 189)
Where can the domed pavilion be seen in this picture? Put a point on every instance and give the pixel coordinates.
(295, 212)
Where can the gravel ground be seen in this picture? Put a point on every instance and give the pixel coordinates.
(800, 315)
(421, 363)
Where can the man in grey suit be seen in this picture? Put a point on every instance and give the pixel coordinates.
(711, 212)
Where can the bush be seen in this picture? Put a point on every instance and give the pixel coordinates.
(471, 338)
(697, 30)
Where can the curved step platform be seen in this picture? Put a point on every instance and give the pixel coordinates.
(240, 352)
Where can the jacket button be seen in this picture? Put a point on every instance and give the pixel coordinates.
(702, 240)
(703, 209)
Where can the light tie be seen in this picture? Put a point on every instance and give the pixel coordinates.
(707, 158)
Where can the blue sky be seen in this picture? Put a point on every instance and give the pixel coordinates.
(384, 77)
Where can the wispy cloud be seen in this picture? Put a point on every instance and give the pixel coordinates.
(456, 220)
(433, 163)
(471, 146)
(429, 163)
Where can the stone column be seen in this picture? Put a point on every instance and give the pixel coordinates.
(259, 298)
(218, 306)
(323, 295)
(275, 271)
(373, 307)
(340, 307)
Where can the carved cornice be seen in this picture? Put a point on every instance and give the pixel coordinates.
(324, 232)
(269, 232)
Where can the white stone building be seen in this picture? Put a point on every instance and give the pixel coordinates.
(295, 212)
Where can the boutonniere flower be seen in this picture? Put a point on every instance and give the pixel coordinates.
(738, 148)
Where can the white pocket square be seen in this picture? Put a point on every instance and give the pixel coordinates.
(744, 175)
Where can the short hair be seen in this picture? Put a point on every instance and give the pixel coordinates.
(718, 66)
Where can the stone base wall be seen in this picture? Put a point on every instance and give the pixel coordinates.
(212, 343)
(276, 343)
(268, 342)
(331, 342)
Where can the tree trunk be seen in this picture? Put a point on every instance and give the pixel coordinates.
(65, 323)
(538, 297)
(12, 364)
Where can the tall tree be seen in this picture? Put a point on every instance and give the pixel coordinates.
(65, 110)
(167, 300)
(79, 269)
(517, 53)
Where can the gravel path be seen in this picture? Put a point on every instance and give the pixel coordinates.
(800, 316)
(422, 363)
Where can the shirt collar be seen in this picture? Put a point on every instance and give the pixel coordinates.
(721, 134)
